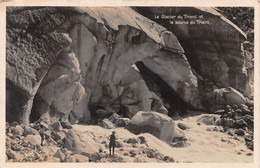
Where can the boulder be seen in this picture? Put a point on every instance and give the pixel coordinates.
(240, 132)
(233, 96)
(136, 97)
(50, 150)
(94, 157)
(244, 108)
(175, 70)
(81, 143)
(180, 144)
(44, 125)
(122, 122)
(154, 123)
(14, 155)
(229, 122)
(33, 139)
(105, 123)
(208, 119)
(133, 140)
(56, 126)
(58, 135)
(47, 134)
(182, 126)
(18, 130)
(30, 131)
(221, 112)
(240, 123)
(103, 113)
(65, 125)
(114, 117)
(62, 154)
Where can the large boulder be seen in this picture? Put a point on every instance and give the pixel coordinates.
(157, 124)
(33, 139)
(79, 143)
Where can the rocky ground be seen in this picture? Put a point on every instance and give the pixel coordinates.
(204, 138)
(60, 142)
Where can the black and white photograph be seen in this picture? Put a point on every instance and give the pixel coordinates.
(130, 84)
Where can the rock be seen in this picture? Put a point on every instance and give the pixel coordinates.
(18, 130)
(33, 139)
(122, 122)
(180, 144)
(77, 158)
(142, 139)
(249, 154)
(105, 123)
(44, 125)
(233, 96)
(36, 155)
(94, 157)
(50, 150)
(119, 143)
(179, 139)
(58, 135)
(248, 119)
(216, 129)
(229, 122)
(114, 117)
(169, 71)
(47, 134)
(150, 153)
(16, 147)
(240, 132)
(154, 123)
(240, 123)
(66, 125)
(59, 155)
(30, 131)
(13, 155)
(81, 143)
(182, 126)
(249, 103)
(13, 124)
(208, 119)
(221, 112)
(103, 113)
(244, 108)
(133, 140)
(56, 126)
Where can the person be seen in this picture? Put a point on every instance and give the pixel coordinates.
(112, 143)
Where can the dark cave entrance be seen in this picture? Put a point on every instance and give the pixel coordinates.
(171, 100)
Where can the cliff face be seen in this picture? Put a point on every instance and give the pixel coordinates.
(71, 63)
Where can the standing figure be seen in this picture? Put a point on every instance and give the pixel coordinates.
(112, 143)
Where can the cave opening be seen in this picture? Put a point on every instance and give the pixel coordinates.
(170, 98)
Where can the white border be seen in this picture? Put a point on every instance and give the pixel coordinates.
(201, 3)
